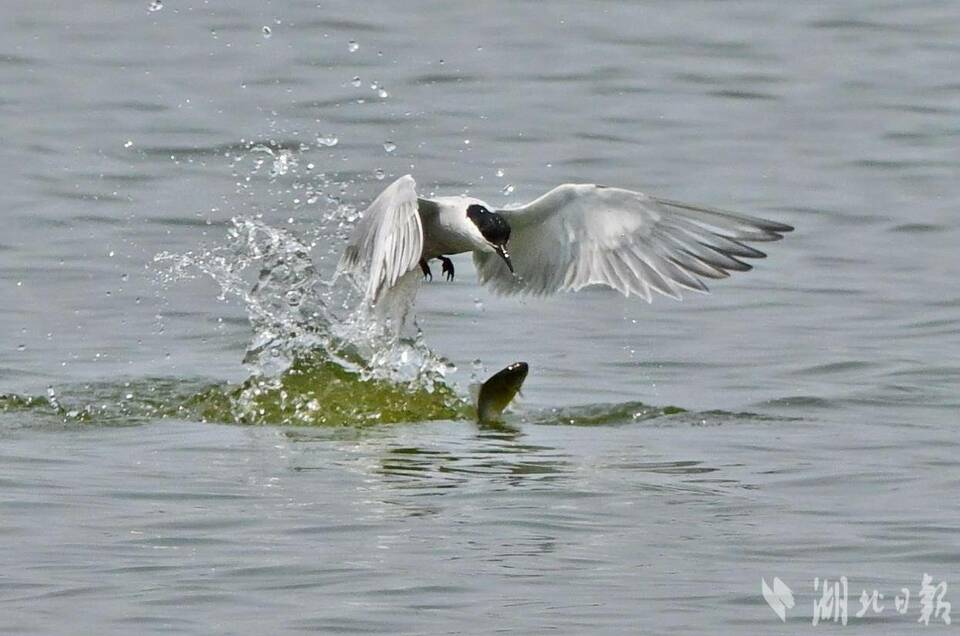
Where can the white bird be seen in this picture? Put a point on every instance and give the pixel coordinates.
(573, 236)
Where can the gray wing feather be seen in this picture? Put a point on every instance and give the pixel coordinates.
(582, 234)
(388, 241)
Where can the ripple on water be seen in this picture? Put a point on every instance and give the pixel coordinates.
(800, 403)
(917, 228)
(839, 367)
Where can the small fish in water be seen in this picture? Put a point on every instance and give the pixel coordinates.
(499, 390)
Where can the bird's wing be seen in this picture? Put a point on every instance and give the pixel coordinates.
(583, 234)
(388, 240)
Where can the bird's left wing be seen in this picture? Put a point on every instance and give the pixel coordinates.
(388, 241)
(583, 234)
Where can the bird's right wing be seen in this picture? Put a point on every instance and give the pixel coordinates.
(388, 241)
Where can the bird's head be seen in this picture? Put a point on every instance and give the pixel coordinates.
(494, 230)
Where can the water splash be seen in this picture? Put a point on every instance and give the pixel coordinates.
(293, 312)
(328, 140)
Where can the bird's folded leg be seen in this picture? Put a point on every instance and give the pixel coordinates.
(426, 269)
(447, 267)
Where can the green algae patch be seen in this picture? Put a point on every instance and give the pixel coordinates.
(315, 391)
(12, 402)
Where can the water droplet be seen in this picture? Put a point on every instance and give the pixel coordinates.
(478, 304)
(327, 140)
(356, 81)
(22, 347)
(507, 189)
(383, 94)
(389, 146)
(155, 5)
(267, 32)
(466, 142)
(476, 368)
(281, 164)
(294, 297)
(379, 174)
(499, 172)
(352, 46)
(127, 144)
(374, 85)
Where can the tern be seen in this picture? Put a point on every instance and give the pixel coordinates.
(574, 236)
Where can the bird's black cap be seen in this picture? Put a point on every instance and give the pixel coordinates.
(493, 226)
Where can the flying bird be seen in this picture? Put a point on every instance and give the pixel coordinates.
(574, 236)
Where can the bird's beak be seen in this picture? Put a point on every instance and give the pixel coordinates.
(502, 251)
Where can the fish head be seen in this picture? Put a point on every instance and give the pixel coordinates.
(499, 390)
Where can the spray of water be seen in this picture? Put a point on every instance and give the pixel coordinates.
(294, 312)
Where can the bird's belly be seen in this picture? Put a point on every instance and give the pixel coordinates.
(441, 242)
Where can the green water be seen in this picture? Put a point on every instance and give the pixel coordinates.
(314, 391)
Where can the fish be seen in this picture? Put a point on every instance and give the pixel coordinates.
(499, 390)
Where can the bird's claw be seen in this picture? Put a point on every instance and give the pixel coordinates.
(447, 268)
(425, 268)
